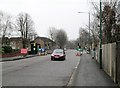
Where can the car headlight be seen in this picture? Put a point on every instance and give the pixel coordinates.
(52, 55)
(61, 55)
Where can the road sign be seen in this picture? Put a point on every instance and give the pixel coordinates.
(43, 49)
(39, 49)
(24, 51)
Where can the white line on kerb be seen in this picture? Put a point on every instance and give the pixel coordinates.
(70, 83)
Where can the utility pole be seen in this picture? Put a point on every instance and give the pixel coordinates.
(89, 32)
(100, 53)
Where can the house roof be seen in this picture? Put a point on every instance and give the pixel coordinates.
(15, 38)
(4, 38)
(45, 39)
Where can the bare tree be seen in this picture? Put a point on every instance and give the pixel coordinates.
(52, 33)
(6, 26)
(61, 38)
(83, 39)
(25, 26)
(71, 44)
(94, 32)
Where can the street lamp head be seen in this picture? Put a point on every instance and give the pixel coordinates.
(81, 12)
(84, 12)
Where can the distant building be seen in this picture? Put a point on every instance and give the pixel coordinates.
(16, 42)
(4, 41)
(32, 46)
(42, 42)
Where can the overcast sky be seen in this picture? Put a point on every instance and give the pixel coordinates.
(56, 13)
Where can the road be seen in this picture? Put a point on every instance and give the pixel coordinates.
(39, 71)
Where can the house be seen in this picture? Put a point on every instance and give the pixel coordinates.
(16, 42)
(4, 41)
(42, 43)
(33, 46)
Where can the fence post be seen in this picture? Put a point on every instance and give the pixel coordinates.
(116, 63)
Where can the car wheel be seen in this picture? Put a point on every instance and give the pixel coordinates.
(63, 58)
(52, 59)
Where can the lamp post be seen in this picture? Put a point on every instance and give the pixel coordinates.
(89, 27)
(100, 58)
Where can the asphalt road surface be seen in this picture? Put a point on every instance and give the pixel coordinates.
(39, 71)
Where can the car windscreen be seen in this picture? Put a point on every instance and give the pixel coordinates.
(58, 51)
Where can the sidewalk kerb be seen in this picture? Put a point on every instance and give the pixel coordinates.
(18, 58)
(74, 74)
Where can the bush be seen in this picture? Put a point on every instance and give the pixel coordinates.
(1, 50)
(7, 49)
(16, 50)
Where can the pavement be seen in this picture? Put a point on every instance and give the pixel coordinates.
(15, 58)
(90, 74)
